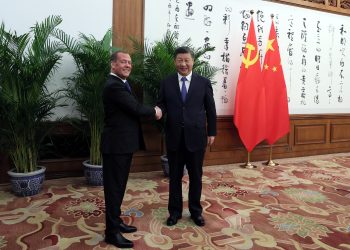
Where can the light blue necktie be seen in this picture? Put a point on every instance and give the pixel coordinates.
(183, 89)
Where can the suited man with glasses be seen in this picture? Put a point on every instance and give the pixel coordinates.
(187, 100)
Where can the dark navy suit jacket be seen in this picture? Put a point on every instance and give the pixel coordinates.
(122, 130)
(197, 116)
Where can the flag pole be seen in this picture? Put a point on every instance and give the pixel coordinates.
(270, 162)
(248, 163)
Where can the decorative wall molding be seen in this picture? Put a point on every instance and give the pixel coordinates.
(334, 6)
(309, 135)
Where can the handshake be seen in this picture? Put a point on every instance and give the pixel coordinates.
(158, 113)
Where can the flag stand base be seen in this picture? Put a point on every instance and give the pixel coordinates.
(248, 165)
(271, 163)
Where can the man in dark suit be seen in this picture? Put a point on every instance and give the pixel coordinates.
(187, 99)
(121, 137)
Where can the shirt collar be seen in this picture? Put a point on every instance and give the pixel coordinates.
(124, 80)
(188, 77)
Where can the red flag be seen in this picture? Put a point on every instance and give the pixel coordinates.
(249, 111)
(277, 115)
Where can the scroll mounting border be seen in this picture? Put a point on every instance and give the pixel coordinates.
(318, 6)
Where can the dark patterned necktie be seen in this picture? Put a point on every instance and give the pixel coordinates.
(128, 86)
(183, 89)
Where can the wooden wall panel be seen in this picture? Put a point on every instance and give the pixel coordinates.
(153, 138)
(310, 134)
(340, 132)
(227, 137)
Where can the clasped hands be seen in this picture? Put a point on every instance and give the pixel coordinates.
(158, 113)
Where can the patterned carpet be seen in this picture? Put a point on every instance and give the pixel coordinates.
(300, 205)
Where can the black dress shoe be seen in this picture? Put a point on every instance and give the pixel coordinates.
(172, 220)
(118, 240)
(126, 228)
(198, 220)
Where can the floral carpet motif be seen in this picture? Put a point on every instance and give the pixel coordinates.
(303, 205)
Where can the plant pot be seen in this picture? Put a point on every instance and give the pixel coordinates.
(93, 174)
(165, 166)
(27, 184)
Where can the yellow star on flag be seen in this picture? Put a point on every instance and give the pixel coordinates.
(269, 45)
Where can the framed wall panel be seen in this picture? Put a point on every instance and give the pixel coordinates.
(335, 6)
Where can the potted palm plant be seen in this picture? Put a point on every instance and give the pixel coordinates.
(28, 62)
(91, 57)
(153, 62)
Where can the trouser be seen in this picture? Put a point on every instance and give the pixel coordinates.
(116, 168)
(194, 164)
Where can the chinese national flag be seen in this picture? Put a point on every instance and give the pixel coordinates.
(277, 115)
(249, 111)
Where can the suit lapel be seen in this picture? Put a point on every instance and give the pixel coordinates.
(193, 86)
(176, 87)
(120, 82)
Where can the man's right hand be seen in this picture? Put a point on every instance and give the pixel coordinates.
(158, 113)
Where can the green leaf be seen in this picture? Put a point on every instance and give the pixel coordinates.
(85, 86)
(28, 61)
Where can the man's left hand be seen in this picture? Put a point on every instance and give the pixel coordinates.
(211, 140)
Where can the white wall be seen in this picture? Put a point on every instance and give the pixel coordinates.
(79, 16)
(203, 22)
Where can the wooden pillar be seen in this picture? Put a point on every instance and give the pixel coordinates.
(127, 22)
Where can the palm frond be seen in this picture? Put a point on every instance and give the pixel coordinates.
(29, 62)
(85, 86)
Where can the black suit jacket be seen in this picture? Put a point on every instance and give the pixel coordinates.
(122, 130)
(197, 116)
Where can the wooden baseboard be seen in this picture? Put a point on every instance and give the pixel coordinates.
(309, 135)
